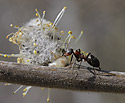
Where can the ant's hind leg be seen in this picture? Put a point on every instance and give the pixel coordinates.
(99, 68)
(94, 71)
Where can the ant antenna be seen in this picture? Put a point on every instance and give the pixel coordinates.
(59, 16)
(81, 33)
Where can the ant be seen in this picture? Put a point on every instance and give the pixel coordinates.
(88, 57)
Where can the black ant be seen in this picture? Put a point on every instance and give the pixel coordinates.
(88, 57)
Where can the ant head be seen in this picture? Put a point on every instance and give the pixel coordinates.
(63, 52)
(68, 52)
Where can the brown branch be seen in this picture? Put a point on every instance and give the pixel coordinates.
(82, 79)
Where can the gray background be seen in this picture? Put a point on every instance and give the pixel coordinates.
(103, 22)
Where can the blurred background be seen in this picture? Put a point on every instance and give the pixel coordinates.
(103, 24)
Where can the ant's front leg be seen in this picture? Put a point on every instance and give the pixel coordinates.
(73, 64)
(71, 58)
(80, 64)
(70, 62)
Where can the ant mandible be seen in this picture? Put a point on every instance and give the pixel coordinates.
(88, 57)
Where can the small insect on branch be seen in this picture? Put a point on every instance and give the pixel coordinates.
(81, 79)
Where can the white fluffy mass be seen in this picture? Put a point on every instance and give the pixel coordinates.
(37, 43)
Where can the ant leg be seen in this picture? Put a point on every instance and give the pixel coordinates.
(94, 71)
(70, 62)
(99, 68)
(71, 59)
(73, 64)
(80, 64)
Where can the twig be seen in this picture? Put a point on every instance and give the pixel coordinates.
(82, 79)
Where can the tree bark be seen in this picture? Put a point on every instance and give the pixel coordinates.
(79, 79)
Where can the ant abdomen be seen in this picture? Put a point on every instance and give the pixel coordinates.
(93, 61)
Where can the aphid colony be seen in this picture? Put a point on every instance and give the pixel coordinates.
(41, 43)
